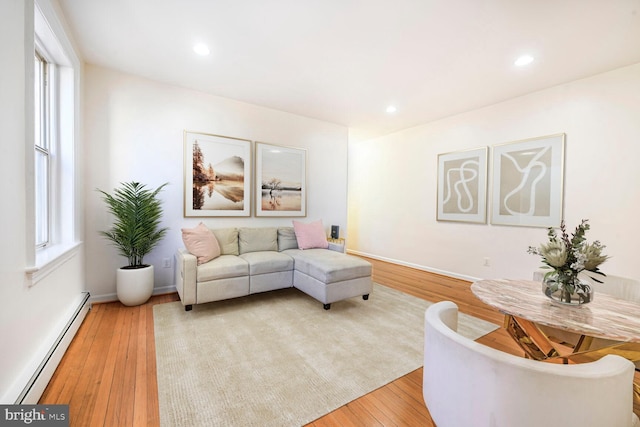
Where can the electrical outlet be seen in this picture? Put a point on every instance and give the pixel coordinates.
(166, 263)
(487, 262)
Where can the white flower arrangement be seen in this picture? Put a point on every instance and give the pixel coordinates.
(568, 257)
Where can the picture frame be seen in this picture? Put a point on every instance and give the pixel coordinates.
(462, 186)
(528, 180)
(217, 175)
(280, 181)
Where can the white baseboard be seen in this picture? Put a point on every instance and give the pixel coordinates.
(416, 266)
(104, 298)
(112, 297)
(35, 386)
(165, 290)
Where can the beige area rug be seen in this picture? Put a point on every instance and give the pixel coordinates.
(280, 359)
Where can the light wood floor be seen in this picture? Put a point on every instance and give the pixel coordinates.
(108, 375)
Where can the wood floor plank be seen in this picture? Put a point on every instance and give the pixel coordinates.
(69, 373)
(416, 378)
(108, 386)
(123, 404)
(140, 392)
(361, 413)
(406, 413)
(342, 417)
(408, 390)
(108, 375)
(379, 411)
(86, 394)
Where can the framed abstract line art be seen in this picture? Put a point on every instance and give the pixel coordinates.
(217, 175)
(280, 183)
(462, 186)
(528, 182)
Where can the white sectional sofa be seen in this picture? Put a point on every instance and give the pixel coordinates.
(262, 259)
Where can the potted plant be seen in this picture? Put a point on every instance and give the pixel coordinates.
(135, 232)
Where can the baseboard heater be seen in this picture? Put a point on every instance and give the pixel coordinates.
(38, 382)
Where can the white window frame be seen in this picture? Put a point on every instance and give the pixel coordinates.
(64, 223)
(42, 145)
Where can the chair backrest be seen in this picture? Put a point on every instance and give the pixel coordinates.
(469, 384)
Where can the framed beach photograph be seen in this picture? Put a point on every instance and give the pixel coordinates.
(528, 182)
(217, 175)
(280, 181)
(462, 186)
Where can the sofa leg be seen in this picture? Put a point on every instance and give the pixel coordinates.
(365, 297)
(327, 306)
(188, 307)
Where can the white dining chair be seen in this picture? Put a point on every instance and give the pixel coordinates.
(466, 383)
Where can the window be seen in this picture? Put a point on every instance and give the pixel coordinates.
(42, 149)
(54, 189)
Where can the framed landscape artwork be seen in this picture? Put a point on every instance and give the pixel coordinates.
(217, 175)
(280, 183)
(528, 182)
(462, 186)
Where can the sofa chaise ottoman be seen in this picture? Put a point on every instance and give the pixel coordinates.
(262, 259)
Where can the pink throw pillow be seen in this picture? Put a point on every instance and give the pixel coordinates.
(201, 242)
(310, 235)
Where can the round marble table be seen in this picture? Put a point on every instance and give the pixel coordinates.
(605, 317)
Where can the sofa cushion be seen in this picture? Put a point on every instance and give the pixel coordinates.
(287, 238)
(227, 239)
(267, 262)
(223, 267)
(201, 242)
(311, 235)
(329, 266)
(257, 239)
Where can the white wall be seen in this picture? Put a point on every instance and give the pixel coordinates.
(392, 181)
(134, 131)
(31, 318)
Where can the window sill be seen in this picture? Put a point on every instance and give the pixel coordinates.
(50, 259)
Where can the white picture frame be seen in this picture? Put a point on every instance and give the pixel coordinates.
(462, 186)
(280, 181)
(528, 182)
(217, 175)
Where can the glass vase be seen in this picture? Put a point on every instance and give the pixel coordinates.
(571, 291)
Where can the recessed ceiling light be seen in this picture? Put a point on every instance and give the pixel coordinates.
(201, 49)
(523, 60)
(391, 109)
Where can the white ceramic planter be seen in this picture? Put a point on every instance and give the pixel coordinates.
(134, 286)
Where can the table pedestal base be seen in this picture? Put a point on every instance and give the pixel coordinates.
(535, 344)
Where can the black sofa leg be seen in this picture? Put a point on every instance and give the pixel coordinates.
(327, 306)
(365, 297)
(188, 307)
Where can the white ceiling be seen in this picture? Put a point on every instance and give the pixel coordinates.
(344, 61)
